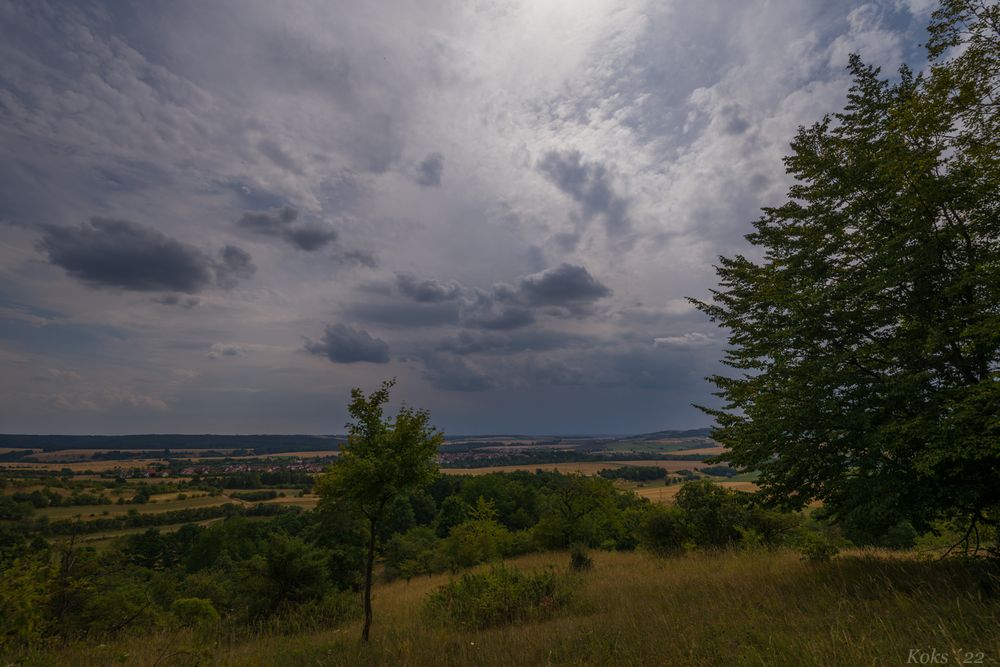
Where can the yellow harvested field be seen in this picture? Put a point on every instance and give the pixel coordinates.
(295, 455)
(96, 466)
(584, 467)
(62, 454)
(665, 494)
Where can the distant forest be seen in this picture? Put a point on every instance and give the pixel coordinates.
(263, 444)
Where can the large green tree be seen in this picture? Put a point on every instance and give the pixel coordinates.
(865, 328)
(383, 460)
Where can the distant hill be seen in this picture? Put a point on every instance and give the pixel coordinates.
(262, 443)
(151, 442)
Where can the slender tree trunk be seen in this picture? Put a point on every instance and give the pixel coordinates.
(368, 580)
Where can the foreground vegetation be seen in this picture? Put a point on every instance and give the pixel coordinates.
(708, 608)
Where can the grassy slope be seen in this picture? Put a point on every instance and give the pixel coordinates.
(632, 609)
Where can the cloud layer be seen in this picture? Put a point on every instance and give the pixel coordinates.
(503, 204)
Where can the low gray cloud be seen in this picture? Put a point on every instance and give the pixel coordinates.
(104, 252)
(344, 344)
(451, 373)
(227, 350)
(397, 314)
(236, 265)
(427, 291)
(364, 258)
(430, 170)
(503, 319)
(278, 156)
(504, 343)
(565, 285)
(186, 302)
(589, 185)
(566, 290)
(282, 223)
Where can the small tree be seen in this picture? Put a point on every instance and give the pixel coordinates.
(382, 460)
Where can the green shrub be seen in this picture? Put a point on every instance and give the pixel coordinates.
(817, 549)
(665, 531)
(411, 553)
(194, 612)
(578, 558)
(497, 597)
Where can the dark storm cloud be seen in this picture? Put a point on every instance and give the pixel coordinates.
(427, 291)
(344, 344)
(564, 285)
(117, 253)
(589, 185)
(281, 223)
(429, 171)
(310, 237)
(566, 290)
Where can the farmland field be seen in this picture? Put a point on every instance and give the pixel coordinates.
(666, 494)
(81, 466)
(88, 511)
(584, 467)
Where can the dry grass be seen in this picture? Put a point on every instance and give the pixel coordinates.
(753, 608)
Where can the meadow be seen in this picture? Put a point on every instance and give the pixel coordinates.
(704, 608)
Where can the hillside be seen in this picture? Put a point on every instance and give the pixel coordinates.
(728, 608)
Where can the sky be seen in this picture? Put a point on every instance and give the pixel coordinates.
(219, 216)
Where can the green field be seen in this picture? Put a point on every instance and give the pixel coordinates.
(96, 511)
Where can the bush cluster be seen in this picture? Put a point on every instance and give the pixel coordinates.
(500, 596)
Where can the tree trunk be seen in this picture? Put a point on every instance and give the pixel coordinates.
(368, 581)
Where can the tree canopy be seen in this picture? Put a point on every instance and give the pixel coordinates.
(866, 329)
